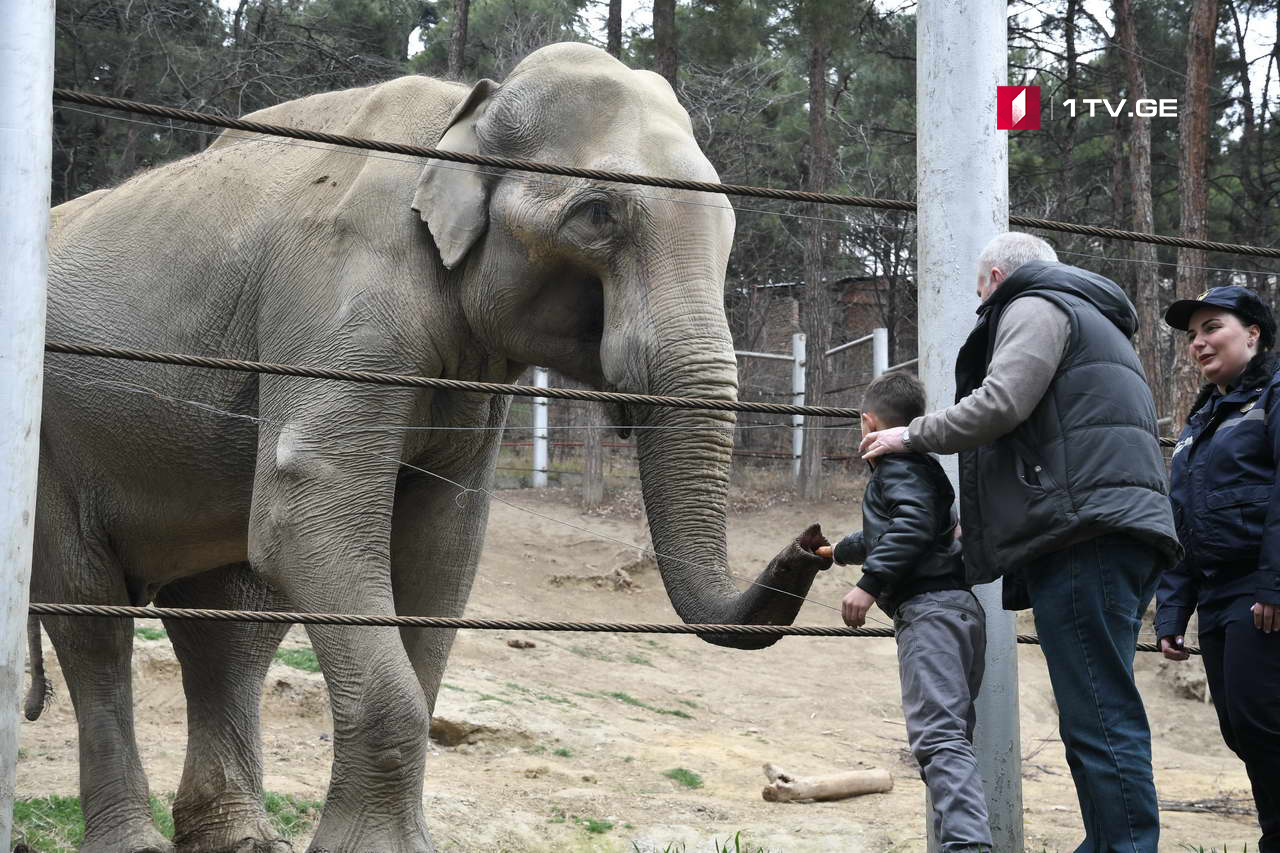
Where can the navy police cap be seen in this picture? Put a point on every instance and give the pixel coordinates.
(1239, 300)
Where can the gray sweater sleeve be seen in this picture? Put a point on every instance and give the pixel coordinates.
(1030, 343)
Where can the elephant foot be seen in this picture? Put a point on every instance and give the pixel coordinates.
(255, 835)
(364, 835)
(140, 836)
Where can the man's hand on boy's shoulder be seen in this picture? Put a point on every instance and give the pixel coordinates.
(885, 441)
(855, 606)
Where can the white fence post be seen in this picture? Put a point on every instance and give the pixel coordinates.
(540, 432)
(797, 399)
(26, 151)
(879, 351)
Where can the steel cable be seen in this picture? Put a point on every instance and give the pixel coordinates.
(65, 348)
(445, 384)
(122, 105)
(279, 617)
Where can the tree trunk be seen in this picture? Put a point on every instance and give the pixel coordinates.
(664, 39)
(1146, 290)
(615, 28)
(1193, 139)
(815, 309)
(593, 458)
(1073, 75)
(1253, 162)
(458, 38)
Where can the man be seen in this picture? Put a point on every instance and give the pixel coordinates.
(1063, 492)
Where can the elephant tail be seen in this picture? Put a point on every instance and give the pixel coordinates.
(41, 690)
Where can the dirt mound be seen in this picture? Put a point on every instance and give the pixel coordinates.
(618, 580)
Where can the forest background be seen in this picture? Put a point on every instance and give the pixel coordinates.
(748, 72)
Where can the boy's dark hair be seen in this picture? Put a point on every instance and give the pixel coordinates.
(895, 398)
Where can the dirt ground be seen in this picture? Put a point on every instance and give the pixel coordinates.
(582, 727)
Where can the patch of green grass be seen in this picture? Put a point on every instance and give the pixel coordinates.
(639, 660)
(447, 686)
(595, 827)
(729, 845)
(592, 654)
(55, 824)
(489, 697)
(631, 700)
(530, 695)
(49, 824)
(150, 633)
(291, 815)
(563, 752)
(303, 659)
(688, 702)
(162, 814)
(685, 777)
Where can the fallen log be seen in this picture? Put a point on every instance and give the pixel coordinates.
(785, 787)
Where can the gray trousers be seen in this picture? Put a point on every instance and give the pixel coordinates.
(942, 640)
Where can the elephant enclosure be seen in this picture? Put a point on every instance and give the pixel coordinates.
(570, 745)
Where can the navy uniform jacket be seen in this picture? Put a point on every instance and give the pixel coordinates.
(1226, 504)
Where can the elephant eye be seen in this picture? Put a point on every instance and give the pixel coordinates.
(597, 211)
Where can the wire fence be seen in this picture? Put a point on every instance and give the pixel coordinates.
(397, 380)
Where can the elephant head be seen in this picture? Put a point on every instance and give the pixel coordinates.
(617, 285)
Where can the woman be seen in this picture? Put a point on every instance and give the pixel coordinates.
(1226, 502)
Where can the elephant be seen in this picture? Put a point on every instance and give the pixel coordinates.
(195, 488)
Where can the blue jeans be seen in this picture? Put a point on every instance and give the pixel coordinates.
(1088, 602)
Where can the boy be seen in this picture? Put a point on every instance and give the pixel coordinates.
(912, 568)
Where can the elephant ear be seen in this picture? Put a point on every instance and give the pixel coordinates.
(453, 199)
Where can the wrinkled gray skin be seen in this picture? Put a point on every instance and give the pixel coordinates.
(314, 255)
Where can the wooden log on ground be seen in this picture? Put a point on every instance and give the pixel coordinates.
(785, 787)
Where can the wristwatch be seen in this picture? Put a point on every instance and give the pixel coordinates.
(906, 439)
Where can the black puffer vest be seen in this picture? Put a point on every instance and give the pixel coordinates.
(1087, 461)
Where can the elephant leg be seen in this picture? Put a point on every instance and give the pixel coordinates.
(320, 533)
(435, 546)
(95, 655)
(219, 806)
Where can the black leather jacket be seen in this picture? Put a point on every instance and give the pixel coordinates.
(907, 544)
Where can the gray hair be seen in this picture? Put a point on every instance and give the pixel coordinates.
(1012, 249)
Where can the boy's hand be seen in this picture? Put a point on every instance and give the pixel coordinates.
(823, 551)
(1173, 649)
(855, 606)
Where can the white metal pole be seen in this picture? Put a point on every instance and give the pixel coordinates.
(797, 399)
(26, 151)
(963, 184)
(879, 351)
(540, 433)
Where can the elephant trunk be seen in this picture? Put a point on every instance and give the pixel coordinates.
(684, 472)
